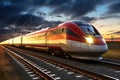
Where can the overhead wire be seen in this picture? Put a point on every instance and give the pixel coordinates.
(18, 18)
(27, 21)
(30, 1)
(31, 22)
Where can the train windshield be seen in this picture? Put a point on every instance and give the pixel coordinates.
(87, 28)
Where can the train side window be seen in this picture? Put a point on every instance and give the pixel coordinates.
(62, 29)
(57, 31)
(72, 33)
(87, 28)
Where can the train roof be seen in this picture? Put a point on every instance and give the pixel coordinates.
(42, 30)
(80, 22)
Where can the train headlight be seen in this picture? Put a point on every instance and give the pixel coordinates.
(89, 40)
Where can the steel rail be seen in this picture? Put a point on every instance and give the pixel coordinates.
(31, 66)
(90, 74)
(110, 64)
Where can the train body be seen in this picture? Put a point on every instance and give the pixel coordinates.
(74, 38)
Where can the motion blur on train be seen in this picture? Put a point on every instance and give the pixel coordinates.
(75, 38)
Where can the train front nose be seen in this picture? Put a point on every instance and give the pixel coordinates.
(97, 46)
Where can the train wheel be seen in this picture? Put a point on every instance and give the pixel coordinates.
(66, 55)
(52, 52)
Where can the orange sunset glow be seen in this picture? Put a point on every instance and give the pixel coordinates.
(20, 20)
(109, 28)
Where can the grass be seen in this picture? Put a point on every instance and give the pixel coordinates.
(113, 50)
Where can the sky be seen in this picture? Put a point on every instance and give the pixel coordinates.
(18, 17)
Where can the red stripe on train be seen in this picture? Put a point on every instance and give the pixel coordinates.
(99, 41)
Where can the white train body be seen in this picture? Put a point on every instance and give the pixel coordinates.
(75, 38)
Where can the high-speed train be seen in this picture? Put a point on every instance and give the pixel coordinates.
(75, 38)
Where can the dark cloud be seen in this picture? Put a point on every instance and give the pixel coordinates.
(5, 34)
(6, 13)
(12, 19)
(10, 9)
(77, 8)
(26, 23)
(17, 16)
(117, 32)
(39, 2)
(29, 19)
(56, 3)
(114, 33)
(10, 13)
(88, 19)
(114, 8)
(109, 16)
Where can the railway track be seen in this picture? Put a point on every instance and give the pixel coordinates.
(30, 67)
(72, 69)
(114, 64)
(111, 64)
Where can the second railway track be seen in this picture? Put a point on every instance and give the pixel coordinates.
(112, 64)
(71, 69)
